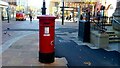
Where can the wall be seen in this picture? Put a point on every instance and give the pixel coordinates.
(112, 8)
(0, 39)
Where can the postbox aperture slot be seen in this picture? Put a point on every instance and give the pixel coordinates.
(46, 23)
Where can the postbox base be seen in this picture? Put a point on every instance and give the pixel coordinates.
(46, 57)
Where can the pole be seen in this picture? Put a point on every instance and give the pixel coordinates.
(43, 8)
(63, 13)
(8, 14)
(79, 14)
(73, 14)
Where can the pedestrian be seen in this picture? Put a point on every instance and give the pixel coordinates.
(81, 17)
(30, 16)
(70, 18)
(67, 18)
(98, 15)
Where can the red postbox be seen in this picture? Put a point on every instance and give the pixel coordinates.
(46, 38)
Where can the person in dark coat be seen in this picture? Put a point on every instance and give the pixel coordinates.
(30, 16)
(70, 18)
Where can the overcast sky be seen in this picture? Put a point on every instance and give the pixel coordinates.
(37, 3)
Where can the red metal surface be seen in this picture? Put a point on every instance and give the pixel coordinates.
(20, 15)
(46, 43)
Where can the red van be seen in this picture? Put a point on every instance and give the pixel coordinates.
(20, 16)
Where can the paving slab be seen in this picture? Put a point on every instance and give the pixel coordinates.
(24, 52)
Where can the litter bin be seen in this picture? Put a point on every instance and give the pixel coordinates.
(84, 31)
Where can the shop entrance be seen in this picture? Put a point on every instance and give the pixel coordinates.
(69, 13)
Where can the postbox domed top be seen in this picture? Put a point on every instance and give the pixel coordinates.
(46, 16)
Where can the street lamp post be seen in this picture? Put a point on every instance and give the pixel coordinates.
(8, 14)
(43, 8)
(63, 13)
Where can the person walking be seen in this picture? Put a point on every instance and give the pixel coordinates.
(70, 18)
(30, 16)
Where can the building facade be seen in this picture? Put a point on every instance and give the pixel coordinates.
(22, 5)
(16, 5)
(54, 5)
(3, 6)
(72, 5)
(11, 2)
(10, 9)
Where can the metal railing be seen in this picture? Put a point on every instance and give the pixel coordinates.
(100, 23)
(116, 21)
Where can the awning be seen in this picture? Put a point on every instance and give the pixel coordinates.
(55, 0)
(74, 0)
(3, 4)
(80, 0)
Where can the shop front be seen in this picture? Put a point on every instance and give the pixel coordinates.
(3, 12)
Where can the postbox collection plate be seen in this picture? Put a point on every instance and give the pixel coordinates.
(47, 31)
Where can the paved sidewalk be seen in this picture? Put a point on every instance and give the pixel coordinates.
(24, 52)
